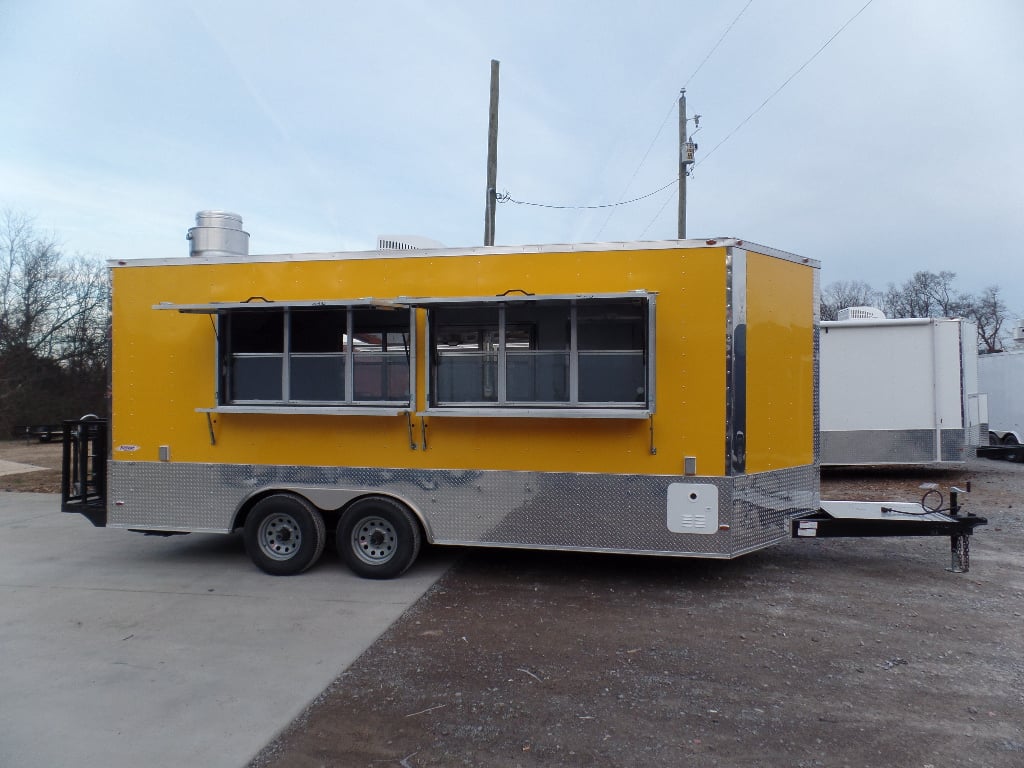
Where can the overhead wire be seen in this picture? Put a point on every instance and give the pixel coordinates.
(774, 93)
(715, 47)
(671, 109)
(657, 135)
(786, 82)
(507, 198)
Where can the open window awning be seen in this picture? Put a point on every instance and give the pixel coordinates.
(516, 296)
(260, 303)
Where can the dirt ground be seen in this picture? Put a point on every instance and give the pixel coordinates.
(47, 455)
(811, 653)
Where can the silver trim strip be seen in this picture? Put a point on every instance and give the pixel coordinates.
(576, 412)
(215, 307)
(518, 298)
(434, 253)
(736, 362)
(327, 410)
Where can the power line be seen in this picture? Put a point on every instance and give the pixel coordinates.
(715, 48)
(774, 93)
(506, 198)
(784, 84)
(671, 109)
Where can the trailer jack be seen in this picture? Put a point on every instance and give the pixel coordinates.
(855, 519)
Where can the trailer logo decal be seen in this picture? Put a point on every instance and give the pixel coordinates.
(127, 448)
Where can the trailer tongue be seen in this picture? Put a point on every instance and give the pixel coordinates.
(855, 519)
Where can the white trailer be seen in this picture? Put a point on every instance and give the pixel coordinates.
(1000, 375)
(900, 391)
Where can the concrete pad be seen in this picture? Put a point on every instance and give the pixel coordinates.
(14, 468)
(118, 649)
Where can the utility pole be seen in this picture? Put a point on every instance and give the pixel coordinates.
(687, 150)
(682, 164)
(492, 159)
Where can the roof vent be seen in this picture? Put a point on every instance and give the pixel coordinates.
(861, 313)
(405, 243)
(218, 233)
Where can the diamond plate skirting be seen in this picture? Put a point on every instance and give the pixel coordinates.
(596, 512)
(907, 446)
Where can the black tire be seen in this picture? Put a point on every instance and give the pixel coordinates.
(993, 438)
(378, 538)
(284, 534)
(1010, 439)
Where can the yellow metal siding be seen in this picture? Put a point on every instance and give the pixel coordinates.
(164, 365)
(780, 364)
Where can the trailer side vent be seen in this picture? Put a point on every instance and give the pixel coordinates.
(861, 313)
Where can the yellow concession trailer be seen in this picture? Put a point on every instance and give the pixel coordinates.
(656, 397)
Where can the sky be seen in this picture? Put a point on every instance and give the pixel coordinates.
(895, 148)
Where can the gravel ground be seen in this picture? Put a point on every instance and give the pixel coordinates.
(811, 653)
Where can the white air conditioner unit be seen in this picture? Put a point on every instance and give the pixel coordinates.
(861, 313)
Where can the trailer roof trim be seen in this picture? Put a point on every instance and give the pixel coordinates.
(887, 322)
(222, 306)
(482, 250)
(514, 296)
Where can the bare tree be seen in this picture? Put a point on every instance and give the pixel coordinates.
(988, 311)
(926, 294)
(844, 294)
(53, 327)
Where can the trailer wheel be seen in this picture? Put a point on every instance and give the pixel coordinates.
(284, 534)
(1010, 439)
(378, 538)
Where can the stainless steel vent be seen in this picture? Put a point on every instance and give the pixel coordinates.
(218, 233)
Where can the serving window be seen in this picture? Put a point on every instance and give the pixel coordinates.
(315, 356)
(542, 353)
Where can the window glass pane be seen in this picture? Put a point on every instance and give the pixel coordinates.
(466, 378)
(537, 338)
(612, 377)
(380, 351)
(317, 377)
(259, 330)
(465, 346)
(256, 377)
(383, 376)
(611, 338)
(616, 325)
(318, 330)
(545, 326)
(537, 376)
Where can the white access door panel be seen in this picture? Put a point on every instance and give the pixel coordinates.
(877, 377)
